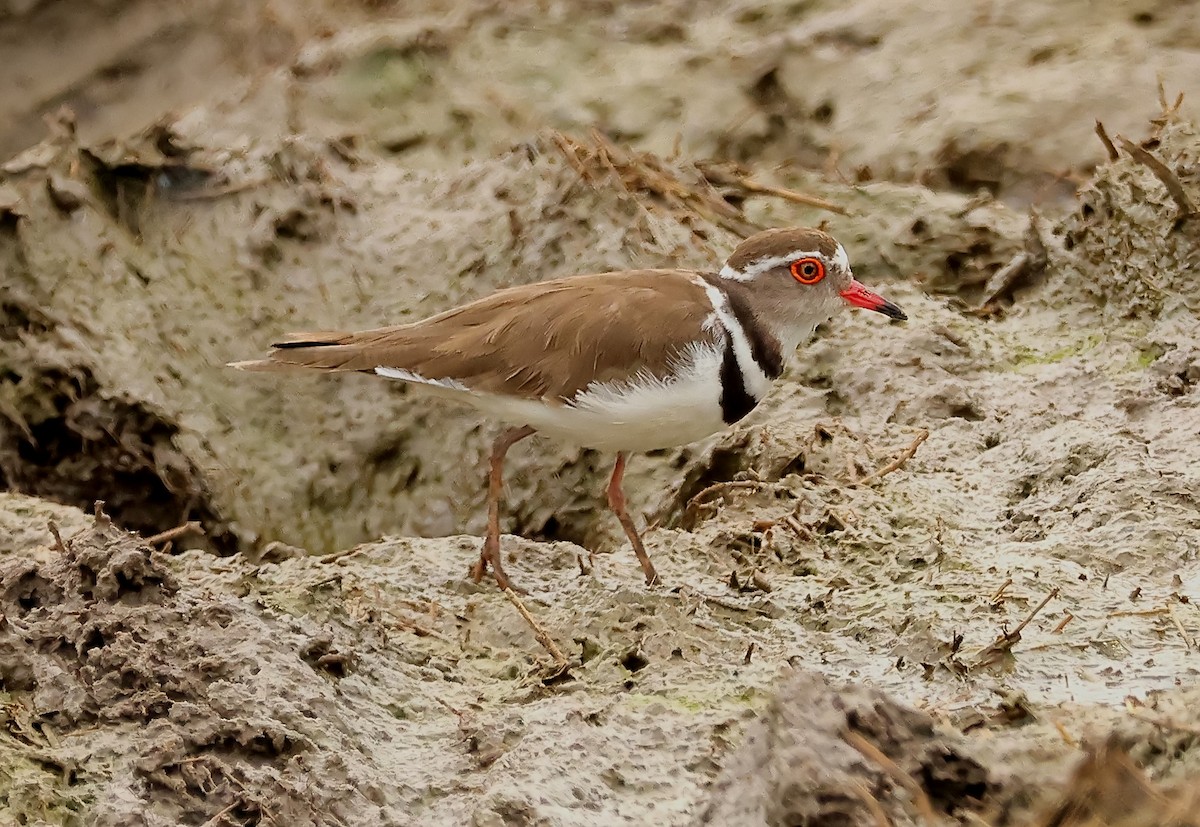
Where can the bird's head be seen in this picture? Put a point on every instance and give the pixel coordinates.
(798, 277)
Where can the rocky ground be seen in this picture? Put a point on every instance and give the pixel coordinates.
(944, 575)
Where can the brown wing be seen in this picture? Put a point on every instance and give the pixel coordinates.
(544, 340)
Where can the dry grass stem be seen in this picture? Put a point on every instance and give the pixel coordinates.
(1185, 208)
(722, 176)
(560, 660)
(190, 527)
(898, 463)
(59, 545)
(1187, 640)
(1102, 134)
(1062, 624)
(1000, 591)
(706, 494)
(1163, 723)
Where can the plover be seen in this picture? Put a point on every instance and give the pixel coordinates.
(626, 361)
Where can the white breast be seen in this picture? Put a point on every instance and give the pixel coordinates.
(642, 413)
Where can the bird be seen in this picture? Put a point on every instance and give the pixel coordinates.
(621, 362)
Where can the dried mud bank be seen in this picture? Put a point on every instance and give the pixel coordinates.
(832, 645)
(1020, 586)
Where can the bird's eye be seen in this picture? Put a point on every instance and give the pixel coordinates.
(808, 270)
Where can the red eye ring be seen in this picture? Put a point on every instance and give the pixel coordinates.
(808, 270)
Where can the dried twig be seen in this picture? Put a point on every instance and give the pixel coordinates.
(231, 188)
(219, 817)
(800, 531)
(724, 176)
(560, 660)
(418, 629)
(1187, 641)
(1029, 618)
(1000, 591)
(1062, 624)
(898, 462)
(1007, 640)
(58, 540)
(1102, 134)
(693, 505)
(190, 527)
(873, 753)
(1185, 208)
(1026, 264)
(1066, 736)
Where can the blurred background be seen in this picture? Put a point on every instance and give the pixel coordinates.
(959, 95)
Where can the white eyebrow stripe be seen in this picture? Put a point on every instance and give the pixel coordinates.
(762, 265)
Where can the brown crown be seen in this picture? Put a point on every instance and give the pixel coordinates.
(782, 242)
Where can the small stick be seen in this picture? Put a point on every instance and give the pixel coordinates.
(230, 188)
(716, 487)
(1062, 624)
(1164, 174)
(898, 462)
(1102, 134)
(1021, 626)
(1000, 591)
(190, 527)
(800, 531)
(411, 625)
(1064, 734)
(1187, 641)
(692, 507)
(750, 185)
(875, 754)
(560, 659)
(58, 540)
(749, 653)
(1007, 640)
(216, 820)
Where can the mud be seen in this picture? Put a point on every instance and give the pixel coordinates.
(1001, 629)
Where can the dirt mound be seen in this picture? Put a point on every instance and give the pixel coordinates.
(1137, 227)
(140, 700)
(189, 689)
(825, 755)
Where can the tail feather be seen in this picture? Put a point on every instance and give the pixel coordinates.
(324, 350)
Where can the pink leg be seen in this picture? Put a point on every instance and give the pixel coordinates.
(491, 543)
(616, 501)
